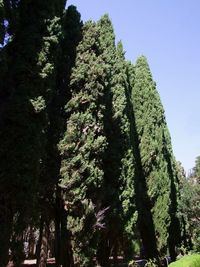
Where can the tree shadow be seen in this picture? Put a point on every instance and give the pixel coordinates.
(72, 28)
(30, 128)
(174, 229)
(143, 202)
(111, 237)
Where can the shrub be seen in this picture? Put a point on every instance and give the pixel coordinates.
(187, 261)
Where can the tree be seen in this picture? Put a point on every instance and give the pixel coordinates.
(155, 174)
(118, 163)
(196, 170)
(83, 146)
(71, 35)
(189, 207)
(84, 142)
(184, 193)
(30, 75)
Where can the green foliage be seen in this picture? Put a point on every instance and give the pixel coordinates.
(156, 173)
(132, 263)
(190, 209)
(73, 109)
(118, 161)
(31, 57)
(84, 142)
(185, 192)
(187, 261)
(196, 170)
(151, 263)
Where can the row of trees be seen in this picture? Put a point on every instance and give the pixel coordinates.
(85, 148)
(35, 68)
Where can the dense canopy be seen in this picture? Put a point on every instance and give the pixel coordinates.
(87, 171)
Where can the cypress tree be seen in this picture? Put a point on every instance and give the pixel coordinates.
(48, 61)
(83, 145)
(126, 162)
(144, 222)
(115, 150)
(71, 35)
(110, 160)
(118, 192)
(155, 175)
(25, 98)
(175, 228)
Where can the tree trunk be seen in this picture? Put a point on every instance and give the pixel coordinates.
(66, 249)
(103, 252)
(4, 242)
(58, 227)
(31, 244)
(42, 252)
(63, 249)
(5, 233)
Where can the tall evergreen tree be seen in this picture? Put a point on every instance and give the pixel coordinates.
(71, 35)
(145, 222)
(111, 160)
(121, 119)
(118, 193)
(83, 145)
(155, 175)
(114, 161)
(25, 97)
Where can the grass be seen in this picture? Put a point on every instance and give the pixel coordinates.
(187, 261)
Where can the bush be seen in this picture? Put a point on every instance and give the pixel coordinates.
(187, 261)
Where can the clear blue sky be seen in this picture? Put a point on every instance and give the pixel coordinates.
(167, 32)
